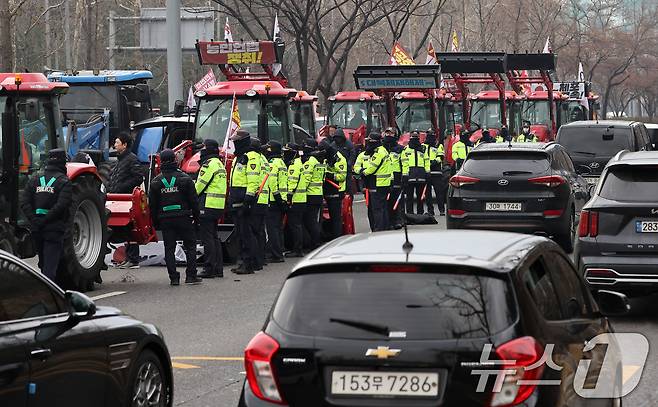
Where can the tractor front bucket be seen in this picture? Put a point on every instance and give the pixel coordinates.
(398, 78)
(130, 218)
(531, 62)
(472, 62)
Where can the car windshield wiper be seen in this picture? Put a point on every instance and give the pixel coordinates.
(517, 172)
(366, 326)
(214, 111)
(584, 153)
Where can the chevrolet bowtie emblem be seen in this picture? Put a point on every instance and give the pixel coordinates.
(383, 352)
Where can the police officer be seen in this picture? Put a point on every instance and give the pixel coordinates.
(211, 189)
(390, 142)
(461, 149)
(503, 136)
(414, 173)
(435, 157)
(314, 170)
(378, 173)
(486, 138)
(526, 135)
(296, 197)
(258, 215)
(46, 204)
(336, 174)
(175, 211)
(244, 181)
(359, 164)
(347, 149)
(278, 187)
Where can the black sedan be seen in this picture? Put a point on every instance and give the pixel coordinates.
(369, 320)
(59, 349)
(525, 187)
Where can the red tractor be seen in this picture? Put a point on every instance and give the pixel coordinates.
(356, 110)
(303, 108)
(31, 125)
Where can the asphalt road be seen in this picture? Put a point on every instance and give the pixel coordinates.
(207, 327)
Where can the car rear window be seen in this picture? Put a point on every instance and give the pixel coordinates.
(631, 183)
(589, 140)
(507, 161)
(411, 305)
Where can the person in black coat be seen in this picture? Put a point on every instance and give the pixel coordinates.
(125, 176)
(175, 211)
(47, 200)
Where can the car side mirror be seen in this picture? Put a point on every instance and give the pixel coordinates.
(583, 169)
(612, 303)
(80, 304)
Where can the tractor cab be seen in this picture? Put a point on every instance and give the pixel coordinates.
(303, 107)
(125, 94)
(411, 94)
(581, 103)
(487, 112)
(356, 110)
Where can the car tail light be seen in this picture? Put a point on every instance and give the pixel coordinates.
(458, 181)
(593, 224)
(600, 273)
(456, 213)
(553, 213)
(258, 364)
(393, 269)
(524, 352)
(589, 224)
(550, 181)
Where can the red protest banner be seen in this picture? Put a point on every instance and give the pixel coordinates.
(207, 81)
(249, 52)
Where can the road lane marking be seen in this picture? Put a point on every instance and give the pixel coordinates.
(628, 371)
(178, 365)
(107, 295)
(219, 358)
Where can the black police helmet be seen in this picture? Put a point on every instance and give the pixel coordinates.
(57, 156)
(273, 148)
(167, 156)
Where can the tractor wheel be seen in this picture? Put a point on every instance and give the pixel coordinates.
(7, 239)
(85, 244)
(104, 170)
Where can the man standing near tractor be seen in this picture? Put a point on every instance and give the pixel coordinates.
(46, 203)
(211, 189)
(125, 176)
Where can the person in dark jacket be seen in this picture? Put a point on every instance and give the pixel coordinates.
(125, 176)
(175, 211)
(46, 204)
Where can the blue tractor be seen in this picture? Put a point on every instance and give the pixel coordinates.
(99, 105)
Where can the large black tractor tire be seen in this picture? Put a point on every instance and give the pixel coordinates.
(7, 239)
(85, 245)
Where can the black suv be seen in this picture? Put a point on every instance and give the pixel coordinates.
(591, 144)
(524, 187)
(369, 321)
(617, 244)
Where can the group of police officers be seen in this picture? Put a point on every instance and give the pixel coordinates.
(268, 187)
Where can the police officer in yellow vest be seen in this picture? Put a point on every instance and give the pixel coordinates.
(435, 157)
(461, 149)
(211, 188)
(245, 177)
(390, 142)
(359, 163)
(314, 170)
(415, 167)
(526, 135)
(336, 174)
(278, 186)
(258, 215)
(298, 182)
(378, 174)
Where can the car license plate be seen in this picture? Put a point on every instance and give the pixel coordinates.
(503, 206)
(646, 226)
(385, 384)
(592, 180)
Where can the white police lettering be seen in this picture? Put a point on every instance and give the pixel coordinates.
(170, 190)
(47, 189)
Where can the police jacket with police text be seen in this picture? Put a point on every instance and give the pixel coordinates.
(47, 200)
(172, 195)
